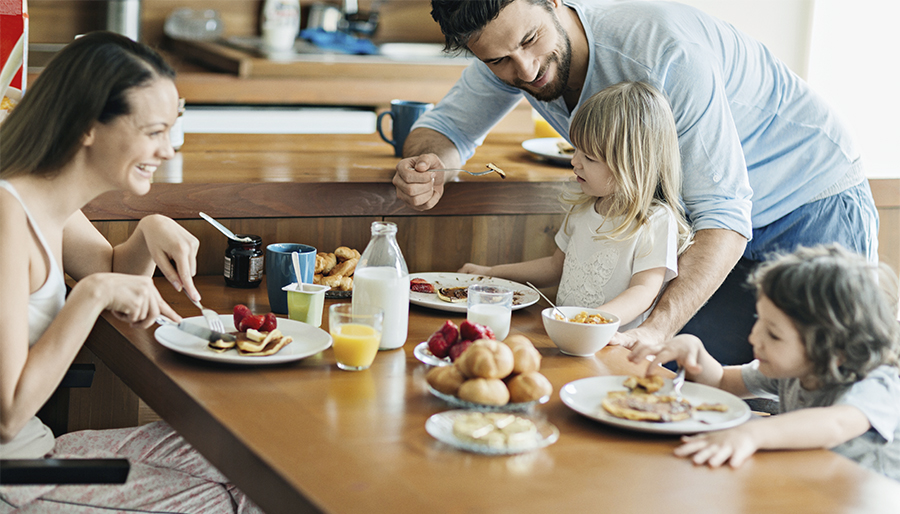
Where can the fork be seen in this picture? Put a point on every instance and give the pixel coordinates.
(678, 381)
(213, 321)
(491, 169)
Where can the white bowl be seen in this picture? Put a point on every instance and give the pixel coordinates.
(579, 339)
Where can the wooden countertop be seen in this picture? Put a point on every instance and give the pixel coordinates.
(308, 437)
(259, 176)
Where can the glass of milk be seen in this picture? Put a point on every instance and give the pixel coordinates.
(491, 306)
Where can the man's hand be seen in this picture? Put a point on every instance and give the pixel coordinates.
(419, 188)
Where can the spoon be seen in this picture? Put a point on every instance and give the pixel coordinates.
(555, 308)
(295, 259)
(223, 229)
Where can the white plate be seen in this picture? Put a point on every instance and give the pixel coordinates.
(509, 407)
(584, 397)
(523, 296)
(546, 148)
(440, 426)
(307, 340)
(424, 354)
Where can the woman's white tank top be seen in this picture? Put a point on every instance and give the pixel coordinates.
(35, 439)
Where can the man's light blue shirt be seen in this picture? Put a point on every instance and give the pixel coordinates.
(748, 127)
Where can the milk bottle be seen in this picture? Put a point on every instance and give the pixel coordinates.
(381, 280)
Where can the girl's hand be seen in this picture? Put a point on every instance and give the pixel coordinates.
(475, 269)
(174, 250)
(734, 446)
(131, 298)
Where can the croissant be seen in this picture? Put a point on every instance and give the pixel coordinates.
(325, 262)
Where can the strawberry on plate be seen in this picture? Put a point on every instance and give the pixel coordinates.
(251, 321)
(270, 323)
(240, 312)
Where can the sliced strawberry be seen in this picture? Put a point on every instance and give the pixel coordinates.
(469, 330)
(251, 321)
(450, 331)
(458, 349)
(438, 345)
(240, 312)
(270, 323)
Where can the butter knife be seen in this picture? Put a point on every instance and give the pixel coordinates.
(196, 330)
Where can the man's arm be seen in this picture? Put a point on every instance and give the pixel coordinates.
(701, 270)
(423, 150)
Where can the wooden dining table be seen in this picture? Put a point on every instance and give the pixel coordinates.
(307, 436)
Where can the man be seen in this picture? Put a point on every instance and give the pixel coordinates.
(748, 128)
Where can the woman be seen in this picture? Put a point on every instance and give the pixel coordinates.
(97, 119)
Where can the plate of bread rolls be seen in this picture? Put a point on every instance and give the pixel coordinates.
(335, 269)
(493, 376)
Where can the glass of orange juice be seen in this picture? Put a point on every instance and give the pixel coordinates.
(356, 333)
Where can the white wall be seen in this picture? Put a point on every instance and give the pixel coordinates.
(854, 64)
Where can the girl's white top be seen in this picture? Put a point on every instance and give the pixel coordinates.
(35, 439)
(596, 270)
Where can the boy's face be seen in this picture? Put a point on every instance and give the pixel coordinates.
(777, 344)
(527, 48)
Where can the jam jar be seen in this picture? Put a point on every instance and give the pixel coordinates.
(244, 262)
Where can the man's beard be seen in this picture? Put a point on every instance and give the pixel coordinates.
(563, 57)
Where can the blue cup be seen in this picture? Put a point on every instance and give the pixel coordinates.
(403, 114)
(280, 271)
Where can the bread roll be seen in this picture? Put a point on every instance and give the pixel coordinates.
(344, 253)
(486, 358)
(445, 379)
(525, 356)
(324, 263)
(487, 391)
(528, 387)
(344, 269)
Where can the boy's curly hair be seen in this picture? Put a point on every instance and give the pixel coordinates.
(844, 307)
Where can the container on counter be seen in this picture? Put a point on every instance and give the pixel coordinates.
(381, 280)
(244, 262)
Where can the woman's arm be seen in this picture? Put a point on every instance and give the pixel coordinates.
(819, 427)
(543, 272)
(157, 241)
(638, 297)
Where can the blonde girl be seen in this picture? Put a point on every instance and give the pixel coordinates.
(625, 226)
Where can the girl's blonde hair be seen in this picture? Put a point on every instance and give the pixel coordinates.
(630, 126)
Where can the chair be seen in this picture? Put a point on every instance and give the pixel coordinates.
(64, 471)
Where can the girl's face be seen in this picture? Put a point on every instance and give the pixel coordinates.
(777, 344)
(593, 175)
(127, 150)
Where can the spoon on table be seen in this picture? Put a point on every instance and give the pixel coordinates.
(555, 308)
(223, 229)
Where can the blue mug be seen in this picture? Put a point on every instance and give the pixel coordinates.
(280, 271)
(403, 114)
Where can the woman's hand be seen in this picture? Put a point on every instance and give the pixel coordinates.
(734, 446)
(173, 249)
(475, 269)
(131, 298)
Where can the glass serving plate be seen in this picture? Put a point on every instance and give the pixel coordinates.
(509, 407)
(440, 426)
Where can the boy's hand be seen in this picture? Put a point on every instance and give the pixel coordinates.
(733, 446)
(685, 349)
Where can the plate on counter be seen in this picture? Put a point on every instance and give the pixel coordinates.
(509, 407)
(547, 148)
(585, 396)
(523, 296)
(307, 340)
(440, 426)
(424, 354)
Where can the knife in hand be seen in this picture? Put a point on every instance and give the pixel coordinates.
(196, 330)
